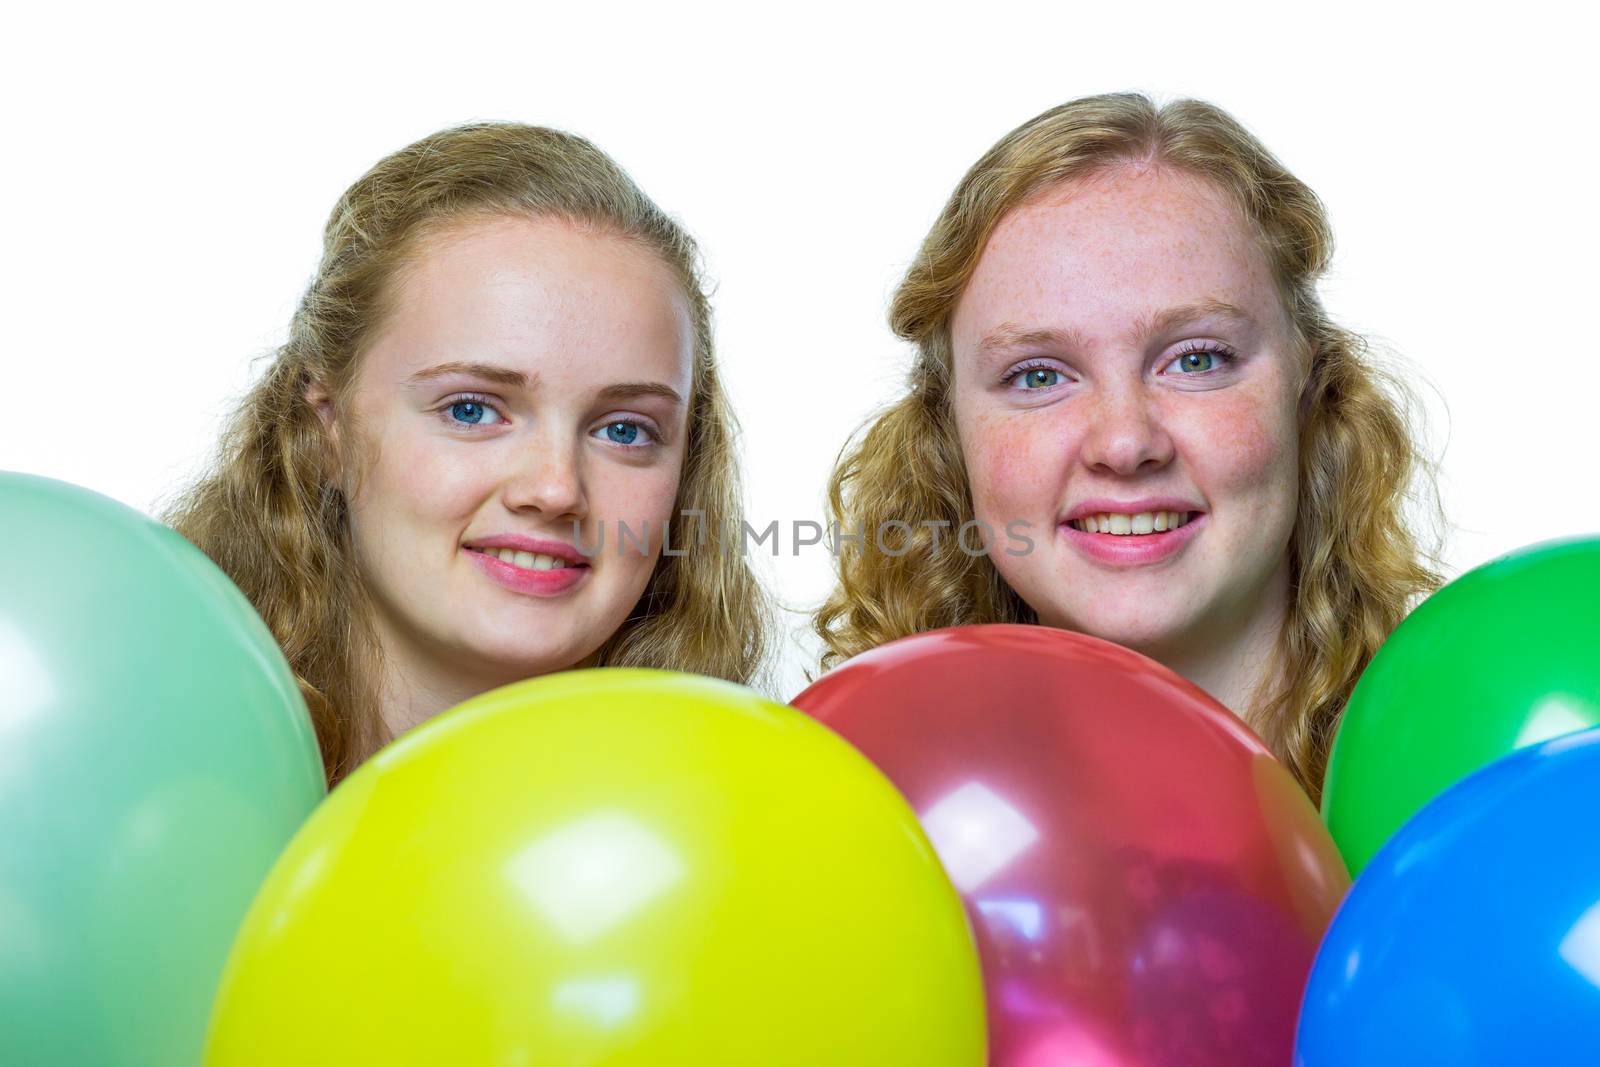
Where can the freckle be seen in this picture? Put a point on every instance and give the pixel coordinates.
(1011, 456)
(1246, 430)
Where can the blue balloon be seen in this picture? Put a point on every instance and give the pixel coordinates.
(1473, 937)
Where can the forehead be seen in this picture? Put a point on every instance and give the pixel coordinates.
(1099, 252)
(556, 299)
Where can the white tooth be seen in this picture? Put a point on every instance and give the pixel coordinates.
(524, 560)
(1120, 524)
(507, 555)
(1102, 523)
(543, 563)
(1143, 523)
(1160, 521)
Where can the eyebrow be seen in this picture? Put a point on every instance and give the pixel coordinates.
(1009, 335)
(515, 378)
(629, 390)
(1162, 321)
(486, 371)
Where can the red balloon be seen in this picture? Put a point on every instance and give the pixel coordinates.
(1147, 884)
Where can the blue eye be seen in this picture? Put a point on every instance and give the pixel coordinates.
(625, 432)
(471, 412)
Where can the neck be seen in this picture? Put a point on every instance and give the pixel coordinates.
(416, 688)
(1237, 668)
(412, 695)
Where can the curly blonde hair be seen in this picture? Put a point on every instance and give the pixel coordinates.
(270, 515)
(1357, 565)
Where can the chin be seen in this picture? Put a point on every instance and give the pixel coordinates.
(516, 662)
(1142, 639)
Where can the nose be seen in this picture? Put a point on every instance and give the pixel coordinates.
(1126, 431)
(548, 478)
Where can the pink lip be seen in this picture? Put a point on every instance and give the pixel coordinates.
(533, 583)
(1132, 549)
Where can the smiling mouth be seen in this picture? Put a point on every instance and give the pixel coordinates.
(1146, 522)
(528, 561)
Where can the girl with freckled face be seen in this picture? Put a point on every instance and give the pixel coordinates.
(1125, 377)
(504, 357)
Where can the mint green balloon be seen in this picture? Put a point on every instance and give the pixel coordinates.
(1505, 656)
(155, 757)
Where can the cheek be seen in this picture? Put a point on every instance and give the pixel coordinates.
(633, 495)
(1251, 453)
(1009, 466)
(420, 480)
(643, 499)
(413, 493)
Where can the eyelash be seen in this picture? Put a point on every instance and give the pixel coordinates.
(1214, 348)
(1021, 369)
(467, 398)
(483, 401)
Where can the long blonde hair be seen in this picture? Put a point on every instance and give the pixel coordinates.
(270, 516)
(1357, 566)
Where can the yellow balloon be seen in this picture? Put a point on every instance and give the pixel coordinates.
(619, 867)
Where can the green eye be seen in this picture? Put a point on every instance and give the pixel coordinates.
(1040, 378)
(1203, 359)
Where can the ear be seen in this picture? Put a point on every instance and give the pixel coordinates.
(317, 396)
(321, 402)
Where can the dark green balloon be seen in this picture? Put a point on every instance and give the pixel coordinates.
(155, 757)
(1503, 657)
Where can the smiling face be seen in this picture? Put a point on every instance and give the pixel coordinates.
(531, 381)
(1121, 347)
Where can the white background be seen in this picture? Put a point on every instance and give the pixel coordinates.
(167, 173)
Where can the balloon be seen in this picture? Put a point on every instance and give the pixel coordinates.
(1473, 937)
(1205, 964)
(1501, 658)
(1147, 884)
(611, 866)
(155, 757)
